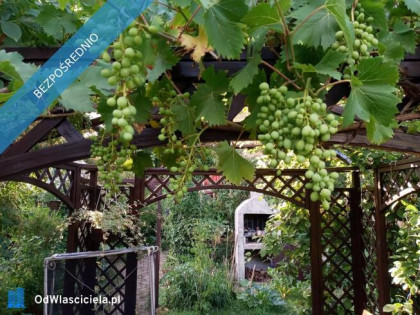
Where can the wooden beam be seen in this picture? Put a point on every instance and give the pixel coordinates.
(32, 137)
(401, 142)
(69, 132)
(70, 152)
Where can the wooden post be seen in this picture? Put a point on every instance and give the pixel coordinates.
(316, 255)
(130, 284)
(159, 244)
(357, 246)
(381, 247)
(93, 193)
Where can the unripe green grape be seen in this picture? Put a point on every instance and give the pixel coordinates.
(111, 101)
(127, 136)
(122, 101)
(161, 137)
(314, 196)
(264, 86)
(122, 122)
(283, 89)
(118, 54)
(342, 48)
(117, 113)
(138, 40)
(133, 31)
(316, 178)
(129, 52)
(153, 29)
(106, 57)
(116, 65)
(106, 73)
(129, 41)
(124, 72)
(113, 80)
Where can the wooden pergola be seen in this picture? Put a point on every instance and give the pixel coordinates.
(53, 167)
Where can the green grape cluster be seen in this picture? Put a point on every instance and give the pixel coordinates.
(364, 42)
(298, 125)
(112, 160)
(127, 72)
(127, 64)
(188, 157)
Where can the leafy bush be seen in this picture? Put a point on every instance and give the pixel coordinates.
(405, 260)
(181, 218)
(198, 282)
(287, 233)
(262, 297)
(36, 233)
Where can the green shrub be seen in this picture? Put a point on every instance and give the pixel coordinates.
(198, 282)
(262, 297)
(28, 235)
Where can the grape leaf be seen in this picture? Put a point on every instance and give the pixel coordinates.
(401, 34)
(327, 65)
(11, 29)
(62, 3)
(77, 97)
(263, 15)
(233, 165)
(165, 60)
(56, 22)
(374, 71)
(208, 98)
(318, 30)
(184, 115)
(246, 75)
(92, 77)
(207, 4)
(198, 45)
(223, 32)
(25, 70)
(143, 105)
(338, 9)
(252, 92)
(141, 161)
(413, 5)
(378, 133)
(106, 113)
(372, 97)
(376, 10)
(391, 51)
(7, 68)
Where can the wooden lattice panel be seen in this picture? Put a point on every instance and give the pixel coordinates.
(290, 185)
(397, 182)
(369, 254)
(337, 255)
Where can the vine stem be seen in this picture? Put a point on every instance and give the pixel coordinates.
(331, 84)
(286, 34)
(353, 8)
(306, 19)
(281, 74)
(188, 22)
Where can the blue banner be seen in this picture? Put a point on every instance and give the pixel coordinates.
(65, 66)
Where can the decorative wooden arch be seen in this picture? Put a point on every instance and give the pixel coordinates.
(76, 185)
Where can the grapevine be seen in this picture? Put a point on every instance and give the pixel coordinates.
(187, 151)
(298, 125)
(126, 73)
(364, 42)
